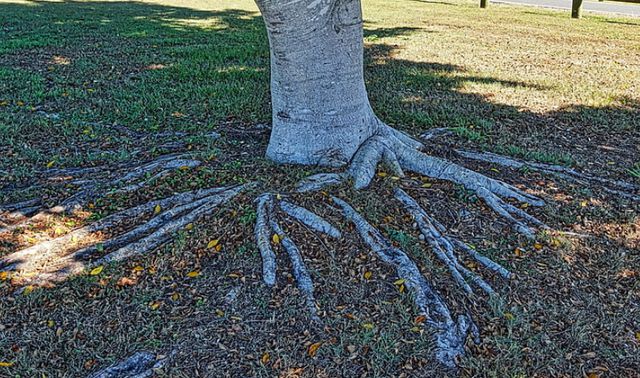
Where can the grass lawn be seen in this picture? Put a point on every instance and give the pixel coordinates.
(81, 80)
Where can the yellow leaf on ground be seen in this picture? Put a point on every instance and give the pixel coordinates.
(382, 174)
(157, 209)
(184, 168)
(367, 275)
(313, 349)
(220, 313)
(218, 247)
(4, 276)
(138, 268)
(427, 185)
(27, 290)
(367, 325)
(638, 336)
(265, 358)
(154, 305)
(189, 227)
(509, 316)
(276, 239)
(97, 270)
(175, 296)
(537, 246)
(193, 274)
(213, 243)
(6, 364)
(399, 282)
(51, 323)
(51, 163)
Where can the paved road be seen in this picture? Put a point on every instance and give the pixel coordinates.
(587, 6)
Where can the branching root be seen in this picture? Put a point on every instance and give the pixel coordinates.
(92, 184)
(267, 225)
(450, 334)
(55, 260)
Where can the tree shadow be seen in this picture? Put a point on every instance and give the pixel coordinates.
(157, 67)
(153, 67)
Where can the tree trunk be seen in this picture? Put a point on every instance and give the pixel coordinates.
(576, 9)
(321, 112)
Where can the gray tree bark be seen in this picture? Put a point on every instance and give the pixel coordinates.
(321, 112)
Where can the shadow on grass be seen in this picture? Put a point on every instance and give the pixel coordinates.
(154, 67)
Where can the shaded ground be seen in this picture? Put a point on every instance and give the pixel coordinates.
(79, 79)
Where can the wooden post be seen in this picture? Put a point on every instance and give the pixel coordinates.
(484, 3)
(576, 9)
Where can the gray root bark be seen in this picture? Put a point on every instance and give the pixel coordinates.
(616, 187)
(321, 113)
(139, 365)
(55, 260)
(389, 149)
(267, 224)
(444, 247)
(450, 334)
(92, 185)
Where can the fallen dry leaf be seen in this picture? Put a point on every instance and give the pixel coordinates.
(313, 349)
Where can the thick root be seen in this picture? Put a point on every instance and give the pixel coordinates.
(303, 279)
(616, 187)
(320, 181)
(267, 224)
(444, 247)
(310, 219)
(93, 183)
(394, 152)
(55, 260)
(139, 365)
(450, 335)
(263, 238)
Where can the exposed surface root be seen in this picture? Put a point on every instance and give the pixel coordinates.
(391, 148)
(303, 279)
(617, 187)
(92, 184)
(444, 247)
(450, 334)
(310, 219)
(320, 181)
(364, 163)
(139, 365)
(435, 133)
(55, 260)
(263, 238)
(267, 224)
